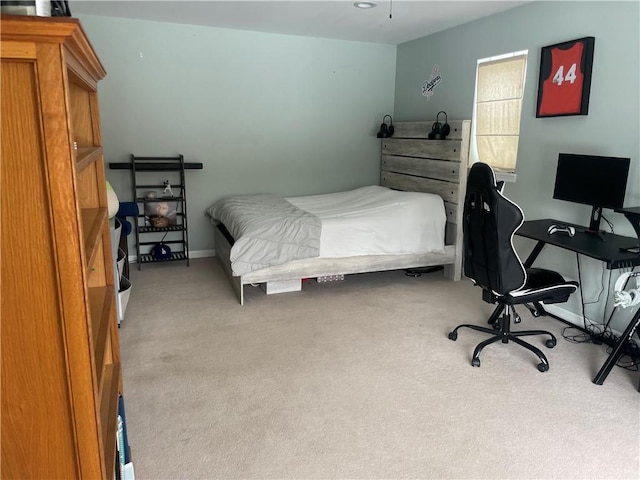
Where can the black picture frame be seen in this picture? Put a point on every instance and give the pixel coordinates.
(564, 83)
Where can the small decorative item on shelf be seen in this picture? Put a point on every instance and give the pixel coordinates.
(167, 192)
(150, 195)
(165, 210)
(161, 251)
(160, 222)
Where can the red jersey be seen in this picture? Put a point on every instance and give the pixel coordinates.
(562, 89)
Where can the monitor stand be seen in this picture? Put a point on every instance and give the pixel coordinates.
(594, 225)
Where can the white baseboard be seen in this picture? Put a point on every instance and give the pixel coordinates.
(202, 253)
(572, 318)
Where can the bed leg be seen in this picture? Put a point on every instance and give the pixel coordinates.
(236, 282)
(223, 253)
(453, 272)
(238, 287)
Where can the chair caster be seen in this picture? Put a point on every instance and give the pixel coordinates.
(534, 311)
(475, 362)
(550, 343)
(496, 325)
(543, 367)
(453, 336)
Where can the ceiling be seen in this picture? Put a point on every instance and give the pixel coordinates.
(312, 18)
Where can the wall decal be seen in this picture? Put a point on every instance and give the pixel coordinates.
(565, 78)
(428, 86)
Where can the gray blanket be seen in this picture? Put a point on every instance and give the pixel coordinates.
(268, 230)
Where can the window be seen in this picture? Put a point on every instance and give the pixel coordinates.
(496, 111)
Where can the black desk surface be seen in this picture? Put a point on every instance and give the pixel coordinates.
(584, 243)
(630, 210)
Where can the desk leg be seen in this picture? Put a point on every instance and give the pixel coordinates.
(618, 350)
(534, 254)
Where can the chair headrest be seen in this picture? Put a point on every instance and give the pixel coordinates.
(482, 174)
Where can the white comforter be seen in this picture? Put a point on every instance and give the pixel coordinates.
(376, 220)
(268, 230)
(373, 220)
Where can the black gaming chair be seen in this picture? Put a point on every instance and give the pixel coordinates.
(490, 260)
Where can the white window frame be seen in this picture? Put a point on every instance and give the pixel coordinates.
(473, 153)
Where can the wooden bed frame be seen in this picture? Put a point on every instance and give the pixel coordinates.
(410, 162)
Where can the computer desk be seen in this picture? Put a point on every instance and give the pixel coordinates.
(606, 248)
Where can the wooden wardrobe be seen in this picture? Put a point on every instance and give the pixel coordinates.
(59, 334)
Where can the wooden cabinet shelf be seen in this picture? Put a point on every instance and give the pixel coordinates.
(109, 414)
(101, 301)
(85, 156)
(93, 220)
(61, 376)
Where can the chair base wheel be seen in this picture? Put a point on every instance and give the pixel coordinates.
(504, 335)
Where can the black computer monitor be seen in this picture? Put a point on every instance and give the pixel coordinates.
(592, 180)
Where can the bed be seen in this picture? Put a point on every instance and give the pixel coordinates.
(409, 163)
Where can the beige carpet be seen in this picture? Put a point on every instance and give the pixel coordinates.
(357, 379)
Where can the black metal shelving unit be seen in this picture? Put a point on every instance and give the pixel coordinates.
(175, 235)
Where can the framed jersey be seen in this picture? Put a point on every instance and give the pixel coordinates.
(565, 78)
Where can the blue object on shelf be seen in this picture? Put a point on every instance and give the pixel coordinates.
(127, 209)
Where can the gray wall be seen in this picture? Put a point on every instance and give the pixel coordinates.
(611, 128)
(296, 115)
(263, 113)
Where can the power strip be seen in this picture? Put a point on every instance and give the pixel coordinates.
(330, 278)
